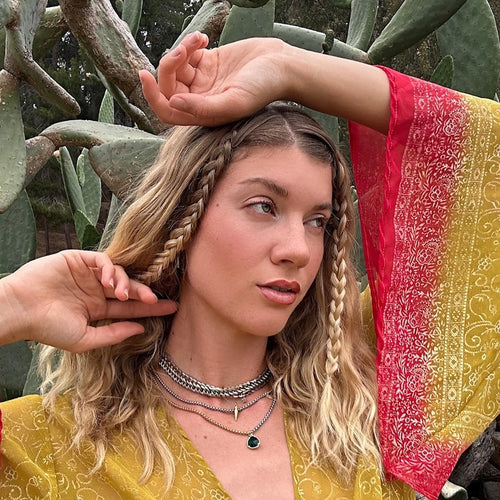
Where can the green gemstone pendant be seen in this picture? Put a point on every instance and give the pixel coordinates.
(253, 442)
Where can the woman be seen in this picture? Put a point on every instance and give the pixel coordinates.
(223, 355)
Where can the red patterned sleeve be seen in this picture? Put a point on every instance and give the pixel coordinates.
(429, 201)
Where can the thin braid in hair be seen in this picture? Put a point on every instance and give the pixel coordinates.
(338, 280)
(187, 224)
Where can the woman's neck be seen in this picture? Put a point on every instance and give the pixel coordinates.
(214, 353)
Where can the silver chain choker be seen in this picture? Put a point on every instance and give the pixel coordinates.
(199, 387)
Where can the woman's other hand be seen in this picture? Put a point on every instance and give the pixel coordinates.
(54, 299)
(209, 87)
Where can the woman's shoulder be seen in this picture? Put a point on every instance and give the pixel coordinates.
(13, 409)
(31, 408)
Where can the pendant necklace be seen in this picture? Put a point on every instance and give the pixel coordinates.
(253, 442)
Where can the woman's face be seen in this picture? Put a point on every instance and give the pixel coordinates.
(260, 243)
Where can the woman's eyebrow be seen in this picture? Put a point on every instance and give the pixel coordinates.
(324, 206)
(279, 190)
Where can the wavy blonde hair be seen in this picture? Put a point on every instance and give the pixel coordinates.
(323, 371)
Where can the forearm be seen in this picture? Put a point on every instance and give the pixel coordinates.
(337, 86)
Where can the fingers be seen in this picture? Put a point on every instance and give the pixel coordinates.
(142, 292)
(176, 72)
(169, 68)
(193, 42)
(114, 279)
(157, 101)
(213, 109)
(136, 309)
(102, 336)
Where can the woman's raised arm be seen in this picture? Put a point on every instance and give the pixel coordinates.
(54, 299)
(209, 87)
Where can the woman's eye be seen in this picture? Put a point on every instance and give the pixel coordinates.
(319, 222)
(263, 207)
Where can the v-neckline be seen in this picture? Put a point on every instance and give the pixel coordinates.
(201, 462)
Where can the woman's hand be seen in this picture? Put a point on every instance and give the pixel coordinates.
(52, 300)
(209, 87)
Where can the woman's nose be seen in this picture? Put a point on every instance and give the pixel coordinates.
(292, 245)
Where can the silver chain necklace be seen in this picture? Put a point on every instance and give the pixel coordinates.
(253, 442)
(199, 387)
(236, 410)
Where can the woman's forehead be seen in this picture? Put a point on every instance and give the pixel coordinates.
(280, 169)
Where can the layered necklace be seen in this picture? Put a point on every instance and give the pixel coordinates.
(241, 391)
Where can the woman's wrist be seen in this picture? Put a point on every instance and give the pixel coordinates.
(337, 86)
(14, 318)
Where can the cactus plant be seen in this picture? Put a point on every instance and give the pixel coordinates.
(14, 365)
(444, 71)
(475, 53)
(361, 23)
(413, 21)
(245, 23)
(17, 235)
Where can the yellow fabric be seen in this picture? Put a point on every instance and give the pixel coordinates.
(38, 463)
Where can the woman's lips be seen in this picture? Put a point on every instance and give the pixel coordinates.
(281, 291)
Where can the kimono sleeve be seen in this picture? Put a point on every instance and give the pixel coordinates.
(429, 202)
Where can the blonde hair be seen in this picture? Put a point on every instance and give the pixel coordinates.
(324, 374)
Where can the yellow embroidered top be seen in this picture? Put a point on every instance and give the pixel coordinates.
(38, 463)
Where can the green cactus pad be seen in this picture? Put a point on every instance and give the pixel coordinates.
(2, 47)
(345, 4)
(358, 256)
(91, 186)
(87, 234)
(12, 146)
(211, 11)
(116, 210)
(38, 152)
(19, 60)
(249, 4)
(107, 109)
(33, 377)
(186, 21)
(137, 116)
(5, 12)
(313, 40)
(120, 163)
(88, 133)
(361, 23)
(17, 235)
(299, 37)
(15, 362)
(328, 122)
(443, 74)
(71, 184)
(475, 51)
(413, 21)
(50, 30)
(248, 23)
(131, 14)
